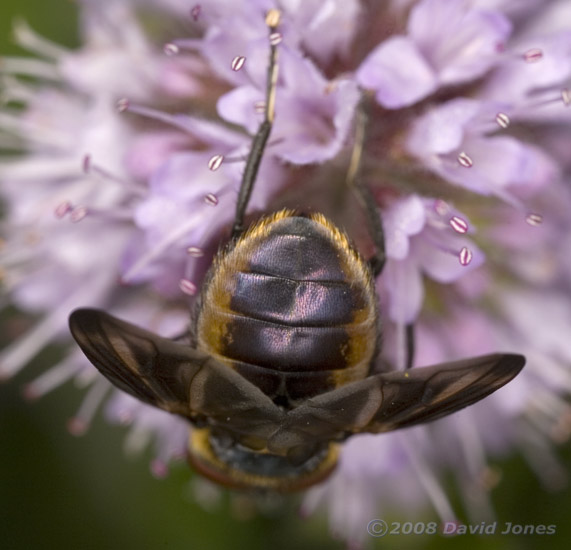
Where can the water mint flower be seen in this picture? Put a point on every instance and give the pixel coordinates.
(130, 151)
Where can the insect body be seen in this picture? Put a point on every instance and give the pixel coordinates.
(286, 332)
(286, 337)
(291, 307)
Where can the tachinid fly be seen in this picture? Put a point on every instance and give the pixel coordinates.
(286, 334)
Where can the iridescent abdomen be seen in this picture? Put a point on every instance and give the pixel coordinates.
(291, 306)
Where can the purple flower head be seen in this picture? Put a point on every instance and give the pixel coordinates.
(128, 158)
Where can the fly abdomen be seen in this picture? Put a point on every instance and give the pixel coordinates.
(303, 303)
(289, 299)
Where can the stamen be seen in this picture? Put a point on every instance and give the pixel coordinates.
(547, 420)
(561, 431)
(195, 12)
(238, 62)
(35, 133)
(540, 458)
(172, 120)
(503, 120)
(15, 356)
(111, 215)
(475, 460)
(465, 256)
(312, 500)
(159, 468)
(533, 55)
(137, 439)
(62, 209)
(86, 164)
(78, 213)
(490, 477)
(207, 495)
(534, 219)
(90, 168)
(551, 414)
(188, 287)
(187, 44)
(215, 162)
(80, 423)
(125, 416)
(26, 37)
(171, 49)
(16, 254)
(30, 67)
(123, 104)
(86, 377)
(14, 89)
(471, 443)
(543, 101)
(464, 160)
(195, 252)
(458, 224)
(211, 199)
(275, 38)
(52, 378)
(427, 479)
(441, 207)
(169, 239)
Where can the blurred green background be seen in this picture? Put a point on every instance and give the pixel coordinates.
(59, 491)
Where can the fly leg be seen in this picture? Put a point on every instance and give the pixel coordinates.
(372, 213)
(363, 193)
(263, 133)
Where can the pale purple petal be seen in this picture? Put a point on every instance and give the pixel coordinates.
(324, 29)
(459, 127)
(437, 254)
(118, 58)
(550, 19)
(458, 42)
(500, 162)
(313, 129)
(442, 130)
(516, 79)
(238, 106)
(506, 161)
(403, 281)
(150, 151)
(545, 316)
(404, 218)
(397, 72)
(237, 33)
(512, 8)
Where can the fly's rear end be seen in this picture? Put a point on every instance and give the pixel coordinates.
(291, 306)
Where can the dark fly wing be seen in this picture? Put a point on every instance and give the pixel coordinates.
(426, 394)
(155, 370)
(396, 400)
(169, 375)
